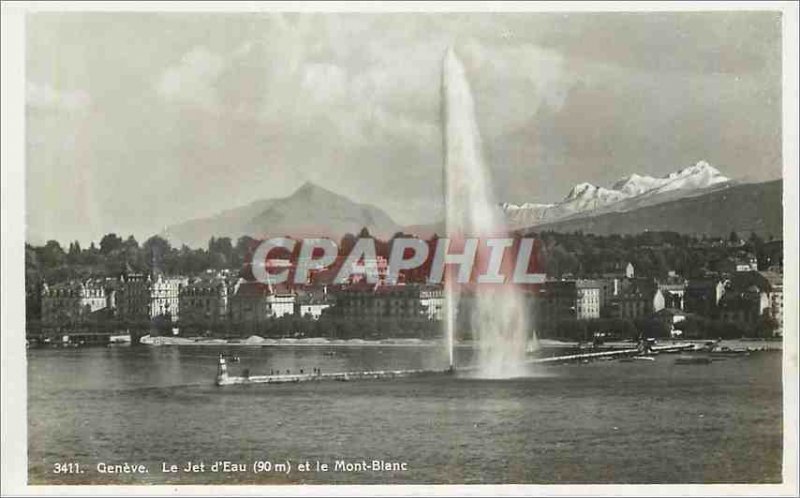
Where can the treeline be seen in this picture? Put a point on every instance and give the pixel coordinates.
(653, 254)
(557, 254)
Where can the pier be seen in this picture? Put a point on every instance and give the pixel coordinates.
(225, 379)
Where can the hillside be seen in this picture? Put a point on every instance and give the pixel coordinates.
(744, 208)
(309, 211)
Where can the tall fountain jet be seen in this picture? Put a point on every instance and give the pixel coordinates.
(498, 315)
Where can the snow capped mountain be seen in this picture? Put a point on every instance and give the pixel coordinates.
(628, 193)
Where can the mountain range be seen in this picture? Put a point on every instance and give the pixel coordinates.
(632, 192)
(744, 209)
(697, 199)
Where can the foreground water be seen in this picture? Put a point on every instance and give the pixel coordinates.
(602, 422)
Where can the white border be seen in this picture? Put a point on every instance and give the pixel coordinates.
(13, 365)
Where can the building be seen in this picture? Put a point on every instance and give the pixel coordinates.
(740, 262)
(673, 288)
(775, 280)
(431, 297)
(204, 302)
(744, 305)
(255, 302)
(312, 302)
(72, 302)
(637, 298)
(141, 298)
(702, 296)
(552, 302)
(380, 301)
(165, 296)
(588, 299)
(752, 295)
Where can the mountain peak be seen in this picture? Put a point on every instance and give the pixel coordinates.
(307, 186)
(701, 167)
(581, 190)
(310, 190)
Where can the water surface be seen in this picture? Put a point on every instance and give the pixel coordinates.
(602, 422)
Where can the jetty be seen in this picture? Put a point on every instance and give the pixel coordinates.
(643, 349)
(225, 379)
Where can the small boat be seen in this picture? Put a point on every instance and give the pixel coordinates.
(692, 360)
(644, 358)
(731, 352)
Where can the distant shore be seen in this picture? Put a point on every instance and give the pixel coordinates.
(258, 341)
(255, 340)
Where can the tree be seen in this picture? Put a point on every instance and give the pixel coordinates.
(110, 243)
(156, 250)
(131, 243)
(733, 238)
(220, 252)
(74, 253)
(52, 255)
(241, 253)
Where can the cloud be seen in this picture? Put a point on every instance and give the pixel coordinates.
(46, 97)
(512, 82)
(193, 79)
(228, 109)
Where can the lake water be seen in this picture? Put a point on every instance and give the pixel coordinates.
(601, 422)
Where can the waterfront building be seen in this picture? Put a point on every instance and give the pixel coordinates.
(775, 280)
(253, 302)
(72, 302)
(673, 288)
(375, 301)
(637, 297)
(588, 298)
(431, 298)
(312, 302)
(751, 295)
(141, 298)
(552, 302)
(204, 302)
(165, 296)
(745, 305)
(702, 296)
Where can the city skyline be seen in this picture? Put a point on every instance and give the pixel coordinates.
(135, 137)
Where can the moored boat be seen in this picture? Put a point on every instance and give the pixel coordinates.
(692, 360)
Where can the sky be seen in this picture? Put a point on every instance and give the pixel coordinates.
(136, 121)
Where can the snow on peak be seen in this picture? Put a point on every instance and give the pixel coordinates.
(581, 190)
(701, 168)
(587, 197)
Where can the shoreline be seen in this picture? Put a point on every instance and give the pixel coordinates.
(257, 341)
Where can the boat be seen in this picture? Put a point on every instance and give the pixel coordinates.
(644, 358)
(692, 360)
